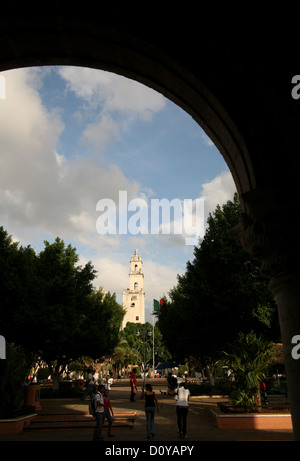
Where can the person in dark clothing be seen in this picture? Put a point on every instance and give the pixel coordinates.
(150, 403)
(133, 385)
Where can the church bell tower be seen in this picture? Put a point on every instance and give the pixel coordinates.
(134, 296)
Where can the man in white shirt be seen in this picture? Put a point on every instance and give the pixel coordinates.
(99, 403)
(108, 382)
(89, 386)
(182, 409)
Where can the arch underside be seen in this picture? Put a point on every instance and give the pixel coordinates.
(79, 43)
(238, 90)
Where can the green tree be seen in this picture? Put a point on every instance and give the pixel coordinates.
(221, 294)
(19, 287)
(125, 355)
(51, 308)
(102, 322)
(248, 358)
(134, 335)
(13, 375)
(172, 319)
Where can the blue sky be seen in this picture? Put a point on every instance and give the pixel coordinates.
(73, 136)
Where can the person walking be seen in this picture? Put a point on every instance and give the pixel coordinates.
(183, 397)
(108, 382)
(90, 382)
(150, 403)
(99, 403)
(133, 385)
(108, 411)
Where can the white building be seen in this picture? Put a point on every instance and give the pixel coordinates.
(134, 296)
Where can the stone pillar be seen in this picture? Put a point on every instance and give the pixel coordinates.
(287, 291)
(268, 233)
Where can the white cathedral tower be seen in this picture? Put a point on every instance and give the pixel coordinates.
(134, 296)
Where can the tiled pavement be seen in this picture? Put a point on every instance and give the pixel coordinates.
(200, 424)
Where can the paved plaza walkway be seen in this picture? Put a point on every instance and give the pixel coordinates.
(200, 424)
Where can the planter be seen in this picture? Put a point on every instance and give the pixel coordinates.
(12, 426)
(79, 383)
(11, 414)
(242, 421)
(32, 396)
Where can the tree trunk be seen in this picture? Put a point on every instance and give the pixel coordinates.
(55, 380)
(258, 399)
(55, 372)
(210, 371)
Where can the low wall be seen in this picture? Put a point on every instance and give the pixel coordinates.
(252, 421)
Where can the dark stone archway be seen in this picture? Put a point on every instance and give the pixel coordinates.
(238, 90)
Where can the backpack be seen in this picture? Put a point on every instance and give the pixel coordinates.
(92, 406)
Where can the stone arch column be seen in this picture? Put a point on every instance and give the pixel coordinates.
(268, 233)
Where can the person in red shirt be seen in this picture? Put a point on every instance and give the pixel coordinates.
(263, 392)
(108, 411)
(133, 385)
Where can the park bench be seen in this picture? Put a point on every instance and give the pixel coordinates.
(46, 422)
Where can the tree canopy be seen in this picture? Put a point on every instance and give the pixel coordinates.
(50, 307)
(221, 294)
(139, 339)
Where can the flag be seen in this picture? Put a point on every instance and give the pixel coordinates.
(155, 305)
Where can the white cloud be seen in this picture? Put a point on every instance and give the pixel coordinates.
(117, 102)
(207, 140)
(112, 92)
(218, 191)
(190, 216)
(39, 187)
(100, 133)
(112, 273)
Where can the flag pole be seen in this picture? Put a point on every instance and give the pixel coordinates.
(153, 346)
(155, 304)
